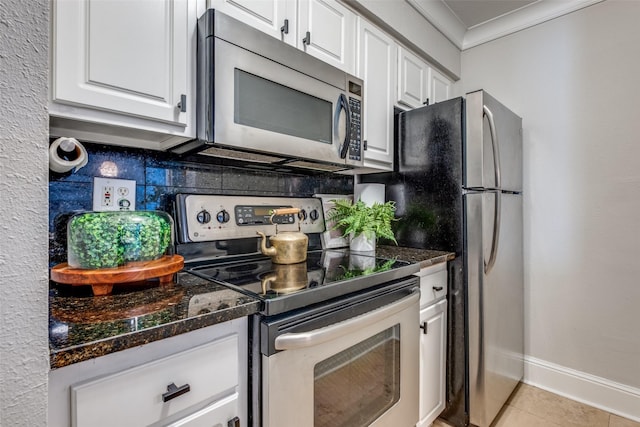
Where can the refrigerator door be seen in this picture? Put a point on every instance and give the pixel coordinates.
(493, 148)
(428, 189)
(495, 301)
(429, 140)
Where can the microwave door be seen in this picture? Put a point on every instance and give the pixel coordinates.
(263, 106)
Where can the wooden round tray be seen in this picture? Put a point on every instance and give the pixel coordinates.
(102, 280)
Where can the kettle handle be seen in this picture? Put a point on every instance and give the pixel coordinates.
(284, 211)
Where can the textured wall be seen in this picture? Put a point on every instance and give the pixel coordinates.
(574, 80)
(24, 351)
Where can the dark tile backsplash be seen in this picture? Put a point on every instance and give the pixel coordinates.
(160, 176)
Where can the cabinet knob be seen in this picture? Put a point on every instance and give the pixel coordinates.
(307, 39)
(437, 288)
(174, 391)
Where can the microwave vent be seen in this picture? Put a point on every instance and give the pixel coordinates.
(241, 155)
(316, 166)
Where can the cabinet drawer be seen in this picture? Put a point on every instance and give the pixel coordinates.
(433, 283)
(217, 414)
(135, 396)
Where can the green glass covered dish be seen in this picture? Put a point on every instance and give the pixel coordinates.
(114, 239)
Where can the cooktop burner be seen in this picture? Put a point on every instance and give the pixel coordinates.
(325, 275)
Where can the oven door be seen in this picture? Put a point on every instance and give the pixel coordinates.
(264, 106)
(357, 372)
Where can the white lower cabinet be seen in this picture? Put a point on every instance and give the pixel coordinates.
(433, 342)
(201, 385)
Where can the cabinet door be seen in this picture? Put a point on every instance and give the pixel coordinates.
(413, 78)
(326, 30)
(440, 87)
(127, 57)
(377, 54)
(267, 16)
(433, 346)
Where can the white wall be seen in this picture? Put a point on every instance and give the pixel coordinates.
(24, 211)
(575, 81)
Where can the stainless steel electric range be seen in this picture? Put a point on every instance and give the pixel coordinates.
(335, 342)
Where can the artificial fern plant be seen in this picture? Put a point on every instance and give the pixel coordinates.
(357, 218)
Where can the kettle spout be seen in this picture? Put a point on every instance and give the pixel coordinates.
(263, 246)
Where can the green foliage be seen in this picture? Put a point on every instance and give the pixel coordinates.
(351, 273)
(111, 239)
(359, 218)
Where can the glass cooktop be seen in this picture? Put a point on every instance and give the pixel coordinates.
(325, 275)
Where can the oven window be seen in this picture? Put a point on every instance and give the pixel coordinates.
(355, 387)
(267, 105)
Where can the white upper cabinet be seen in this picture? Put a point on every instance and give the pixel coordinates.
(413, 79)
(327, 31)
(419, 83)
(377, 56)
(124, 57)
(123, 64)
(324, 29)
(440, 87)
(274, 17)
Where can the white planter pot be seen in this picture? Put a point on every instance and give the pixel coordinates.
(363, 244)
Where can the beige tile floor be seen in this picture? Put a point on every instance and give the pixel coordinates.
(533, 407)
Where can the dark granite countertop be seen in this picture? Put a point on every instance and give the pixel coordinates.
(425, 257)
(83, 326)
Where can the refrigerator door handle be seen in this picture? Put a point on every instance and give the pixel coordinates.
(488, 265)
(494, 142)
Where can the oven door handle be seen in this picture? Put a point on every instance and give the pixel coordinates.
(293, 341)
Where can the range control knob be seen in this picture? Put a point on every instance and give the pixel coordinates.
(223, 216)
(313, 215)
(203, 217)
(302, 215)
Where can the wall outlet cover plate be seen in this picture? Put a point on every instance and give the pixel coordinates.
(110, 194)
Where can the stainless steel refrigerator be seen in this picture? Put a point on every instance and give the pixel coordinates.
(458, 187)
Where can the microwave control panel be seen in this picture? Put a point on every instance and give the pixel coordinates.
(205, 217)
(355, 144)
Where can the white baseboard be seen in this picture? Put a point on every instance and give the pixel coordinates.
(598, 392)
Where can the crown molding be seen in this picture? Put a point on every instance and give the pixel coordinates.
(440, 16)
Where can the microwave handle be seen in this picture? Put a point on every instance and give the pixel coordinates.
(343, 103)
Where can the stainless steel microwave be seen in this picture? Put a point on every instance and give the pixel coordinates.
(262, 100)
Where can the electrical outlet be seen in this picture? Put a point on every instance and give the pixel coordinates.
(111, 194)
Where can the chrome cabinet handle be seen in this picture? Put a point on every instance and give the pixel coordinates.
(174, 391)
(307, 39)
(292, 341)
(285, 28)
(437, 288)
